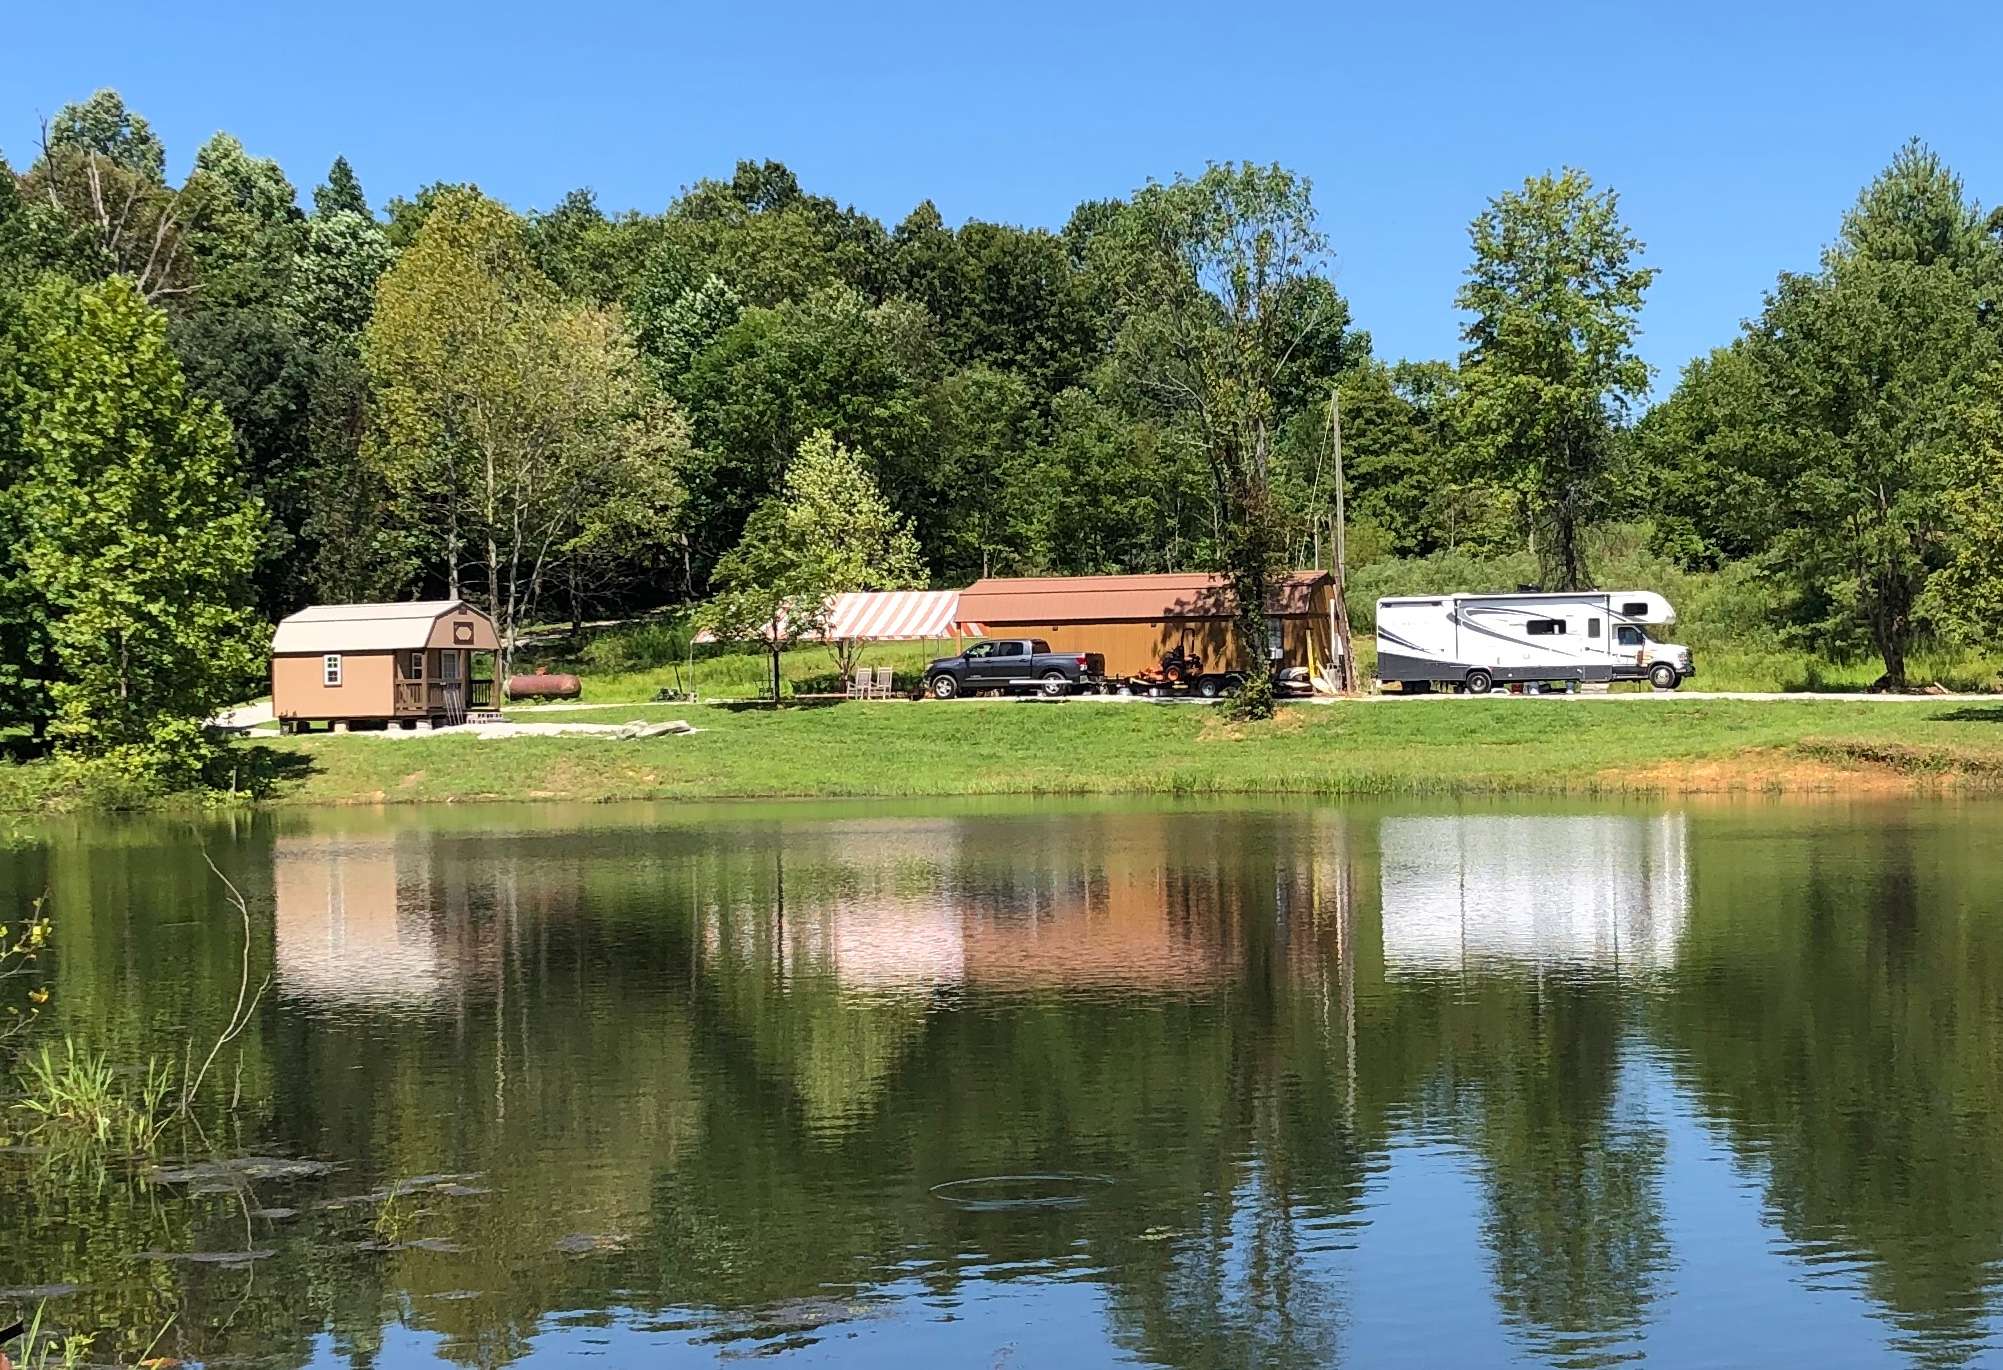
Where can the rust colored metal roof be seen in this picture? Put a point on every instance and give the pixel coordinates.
(1104, 599)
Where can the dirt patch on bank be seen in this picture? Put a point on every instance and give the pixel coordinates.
(1852, 770)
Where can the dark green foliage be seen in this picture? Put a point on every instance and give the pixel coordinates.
(252, 363)
(341, 191)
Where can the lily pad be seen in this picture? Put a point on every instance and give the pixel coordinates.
(231, 1173)
(209, 1257)
(592, 1243)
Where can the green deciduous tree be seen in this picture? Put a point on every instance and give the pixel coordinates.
(829, 531)
(1870, 359)
(331, 291)
(507, 415)
(244, 223)
(137, 531)
(104, 126)
(863, 372)
(1966, 596)
(102, 170)
(1550, 373)
(1218, 290)
(1839, 437)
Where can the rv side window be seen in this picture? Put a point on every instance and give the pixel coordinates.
(1546, 627)
(1634, 608)
(1592, 627)
(1627, 636)
(330, 670)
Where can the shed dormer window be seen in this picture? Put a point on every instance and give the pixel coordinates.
(330, 670)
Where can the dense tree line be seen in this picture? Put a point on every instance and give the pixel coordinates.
(567, 412)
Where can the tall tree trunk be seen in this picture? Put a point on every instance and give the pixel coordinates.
(1250, 560)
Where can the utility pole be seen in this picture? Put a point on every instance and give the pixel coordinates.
(1345, 677)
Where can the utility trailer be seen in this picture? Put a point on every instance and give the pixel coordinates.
(1474, 642)
(1178, 673)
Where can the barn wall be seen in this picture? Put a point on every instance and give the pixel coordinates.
(366, 689)
(1133, 647)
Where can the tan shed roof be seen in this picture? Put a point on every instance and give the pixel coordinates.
(395, 627)
(1101, 599)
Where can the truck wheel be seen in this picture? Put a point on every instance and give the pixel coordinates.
(1209, 687)
(1055, 685)
(1663, 676)
(944, 687)
(1479, 682)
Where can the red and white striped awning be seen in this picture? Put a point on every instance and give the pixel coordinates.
(887, 616)
(898, 616)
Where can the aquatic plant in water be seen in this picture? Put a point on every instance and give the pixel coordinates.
(76, 1095)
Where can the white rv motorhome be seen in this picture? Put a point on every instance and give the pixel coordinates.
(1473, 641)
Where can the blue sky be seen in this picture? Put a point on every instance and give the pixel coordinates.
(1736, 133)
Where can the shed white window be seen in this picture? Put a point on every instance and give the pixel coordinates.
(330, 669)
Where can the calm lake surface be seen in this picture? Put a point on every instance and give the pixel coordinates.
(1024, 1085)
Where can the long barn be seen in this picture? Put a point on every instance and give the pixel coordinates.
(1135, 619)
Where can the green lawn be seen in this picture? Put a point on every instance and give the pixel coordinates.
(974, 747)
(996, 747)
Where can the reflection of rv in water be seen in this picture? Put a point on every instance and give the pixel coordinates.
(1469, 891)
(1470, 642)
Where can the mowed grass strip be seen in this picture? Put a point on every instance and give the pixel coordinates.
(976, 747)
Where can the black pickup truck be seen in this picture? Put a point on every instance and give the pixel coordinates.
(1014, 663)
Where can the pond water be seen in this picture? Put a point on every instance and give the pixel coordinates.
(1023, 1085)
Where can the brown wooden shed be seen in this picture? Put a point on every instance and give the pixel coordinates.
(408, 665)
(1134, 619)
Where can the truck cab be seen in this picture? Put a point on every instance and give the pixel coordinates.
(1637, 656)
(1014, 663)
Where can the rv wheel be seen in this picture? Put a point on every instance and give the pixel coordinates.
(1664, 677)
(1479, 682)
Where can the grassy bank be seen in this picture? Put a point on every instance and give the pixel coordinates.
(1460, 746)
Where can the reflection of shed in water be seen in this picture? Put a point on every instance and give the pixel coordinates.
(1608, 891)
(1139, 927)
(352, 924)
